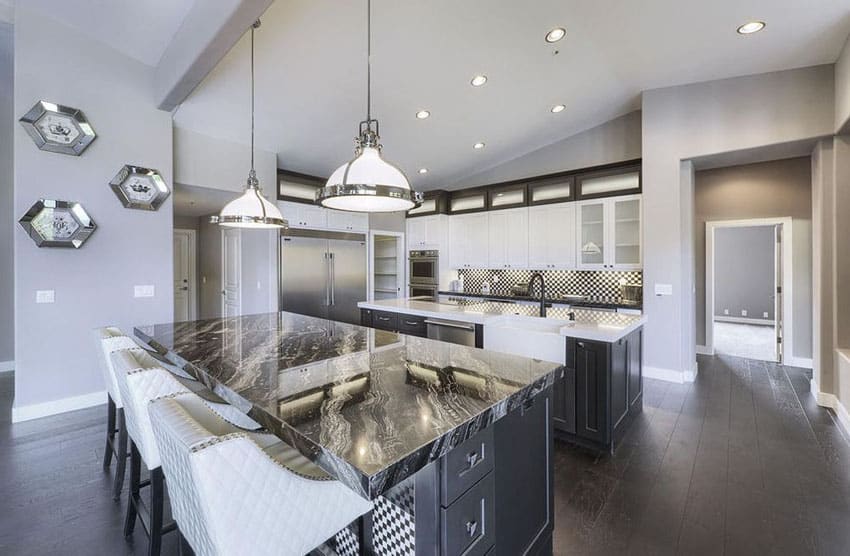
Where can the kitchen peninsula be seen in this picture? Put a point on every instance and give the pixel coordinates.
(601, 389)
(451, 442)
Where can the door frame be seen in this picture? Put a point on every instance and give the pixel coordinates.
(193, 269)
(401, 266)
(224, 231)
(786, 279)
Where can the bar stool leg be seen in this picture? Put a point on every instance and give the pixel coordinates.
(110, 432)
(121, 456)
(132, 499)
(157, 503)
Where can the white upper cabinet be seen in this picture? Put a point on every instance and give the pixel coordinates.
(551, 237)
(609, 233)
(469, 240)
(508, 238)
(303, 215)
(426, 232)
(345, 221)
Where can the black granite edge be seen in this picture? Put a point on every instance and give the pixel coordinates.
(367, 486)
(555, 301)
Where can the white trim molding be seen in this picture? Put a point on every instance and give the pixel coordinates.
(38, 410)
(831, 401)
(801, 362)
(7, 366)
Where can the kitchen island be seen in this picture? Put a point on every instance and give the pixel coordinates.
(454, 444)
(601, 389)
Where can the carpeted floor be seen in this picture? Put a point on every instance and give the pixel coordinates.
(745, 340)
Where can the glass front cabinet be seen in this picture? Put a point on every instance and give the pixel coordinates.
(609, 233)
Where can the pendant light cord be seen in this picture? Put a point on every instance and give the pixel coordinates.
(253, 28)
(369, 62)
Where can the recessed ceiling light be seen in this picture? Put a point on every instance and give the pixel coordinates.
(422, 114)
(558, 108)
(423, 170)
(478, 146)
(751, 27)
(556, 34)
(478, 80)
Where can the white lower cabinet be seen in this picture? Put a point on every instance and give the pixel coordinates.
(469, 240)
(551, 237)
(508, 245)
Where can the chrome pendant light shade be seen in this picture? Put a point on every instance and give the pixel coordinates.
(368, 183)
(251, 209)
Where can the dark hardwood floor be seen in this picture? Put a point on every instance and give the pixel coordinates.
(740, 462)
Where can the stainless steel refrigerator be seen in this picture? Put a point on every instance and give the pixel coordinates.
(323, 274)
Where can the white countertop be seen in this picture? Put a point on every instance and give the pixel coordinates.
(603, 326)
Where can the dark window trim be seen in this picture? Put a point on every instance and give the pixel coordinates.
(304, 179)
(471, 192)
(624, 169)
(442, 205)
(494, 190)
(542, 182)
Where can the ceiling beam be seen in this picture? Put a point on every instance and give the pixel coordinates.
(209, 31)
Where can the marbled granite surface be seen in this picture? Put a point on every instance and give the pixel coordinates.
(370, 407)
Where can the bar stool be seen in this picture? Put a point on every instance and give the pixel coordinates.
(108, 340)
(231, 494)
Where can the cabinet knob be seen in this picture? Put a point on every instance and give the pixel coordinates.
(471, 528)
(471, 460)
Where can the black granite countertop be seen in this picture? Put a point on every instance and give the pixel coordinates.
(368, 406)
(589, 303)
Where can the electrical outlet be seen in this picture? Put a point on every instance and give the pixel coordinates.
(259, 285)
(725, 311)
(743, 312)
(765, 315)
(143, 291)
(45, 296)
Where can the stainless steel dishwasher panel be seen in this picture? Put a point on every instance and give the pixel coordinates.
(453, 332)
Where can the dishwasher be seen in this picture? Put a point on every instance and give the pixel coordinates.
(450, 331)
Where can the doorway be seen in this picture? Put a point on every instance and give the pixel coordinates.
(231, 272)
(386, 265)
(748, 308)
(185, 280)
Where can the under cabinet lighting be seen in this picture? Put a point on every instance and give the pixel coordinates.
(751, 27)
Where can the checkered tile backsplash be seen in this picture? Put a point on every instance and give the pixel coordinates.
(602, 285)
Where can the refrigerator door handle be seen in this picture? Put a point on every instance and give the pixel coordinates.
(333, 280)
(327, 279)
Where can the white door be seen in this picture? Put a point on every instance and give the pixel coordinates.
(777, 294)
(184, 275)
(231, 272)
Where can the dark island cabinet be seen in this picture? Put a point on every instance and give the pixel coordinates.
(411, 325)
(601, 391)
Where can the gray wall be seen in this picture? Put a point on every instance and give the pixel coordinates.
(744, 272)
(613, 141)
(7, 215)
(54, 351)
(842, 89)
(691, 121)
(781, 188)
(186, 222)
(209, 273)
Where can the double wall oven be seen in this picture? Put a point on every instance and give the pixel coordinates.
(424, 273)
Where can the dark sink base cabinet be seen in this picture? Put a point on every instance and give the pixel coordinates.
(601, 391)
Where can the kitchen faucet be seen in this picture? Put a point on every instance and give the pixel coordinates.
(542, 291)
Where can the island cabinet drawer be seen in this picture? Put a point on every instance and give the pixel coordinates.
(413, 325)
(385, 320)
(466, 465)
(468, 524)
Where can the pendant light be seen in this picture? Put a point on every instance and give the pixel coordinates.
(368, 183)
(251, 209)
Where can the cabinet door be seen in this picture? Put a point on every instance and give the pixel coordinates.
(516, 240)
(625, 231)
(290, 213)
(564, 395)
(477, 252)
(338, 220)
(458, 241)
(415, 232)
(619, 377)
(432, 232)
(498, 239)
(312, 216)
(358, 221)
(635, 368)
(561, 233)
(538, 238)
(592, 235)
(592, 390)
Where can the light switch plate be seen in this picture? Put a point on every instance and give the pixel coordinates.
(765, 315)
(143, 291)
(743, 312)
(45, 296)
(663, 289)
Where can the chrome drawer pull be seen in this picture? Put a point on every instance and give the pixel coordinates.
(411, 323)
(471, 528)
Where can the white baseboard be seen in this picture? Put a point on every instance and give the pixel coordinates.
(668, 375)
(802, 362)
(705, 350)
(7, 366)
(829, 400)
(745, 320)
(38, 410)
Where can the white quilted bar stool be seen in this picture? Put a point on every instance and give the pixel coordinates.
(232, 493)
(108, 340)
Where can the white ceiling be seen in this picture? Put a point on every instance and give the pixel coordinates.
(140, 29)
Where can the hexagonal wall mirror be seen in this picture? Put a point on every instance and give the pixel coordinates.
(58, 224)
(139, 188)
(58, 129)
